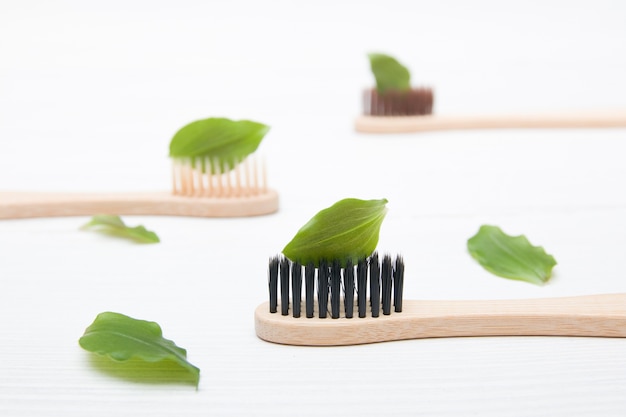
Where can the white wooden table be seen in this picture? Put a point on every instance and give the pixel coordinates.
(90, 97)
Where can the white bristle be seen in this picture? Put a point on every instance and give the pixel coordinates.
(246, 179)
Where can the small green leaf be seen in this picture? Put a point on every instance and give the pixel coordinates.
(389, 73)
(220, 140)
(346, 230)
(125, 339)
(510, 257)
(113, 225)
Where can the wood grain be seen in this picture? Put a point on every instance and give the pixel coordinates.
(596, 316)
(20, 205)
(406, 124)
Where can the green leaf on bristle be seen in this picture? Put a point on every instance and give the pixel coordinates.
(141, 344)
(114, 226)
(510, 257)
(220, 140)
(348, 229)
(389, 73)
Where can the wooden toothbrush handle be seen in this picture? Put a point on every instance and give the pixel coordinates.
(20, 205)
(596, 315)
(593, 315)
(405, 124)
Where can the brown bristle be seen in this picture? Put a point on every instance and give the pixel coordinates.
(414, 102)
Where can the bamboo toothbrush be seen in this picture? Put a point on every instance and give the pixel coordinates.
(395, 107)
(215, 174)
(354, 319)
(408, 124)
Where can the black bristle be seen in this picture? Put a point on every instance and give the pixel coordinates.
(398, 284)
(361, 287)
(335, 289)
(284, 286)
(273, 282)
(385, 286)
(309, 284)
(386, 278)
(296, 288)
(375, 285)
(348, 284)
(322, 289)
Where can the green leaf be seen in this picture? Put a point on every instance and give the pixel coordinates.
(125, 339)
(114, 226)
(220, 140)
(510, 257)
(346, 230)
(389, 73)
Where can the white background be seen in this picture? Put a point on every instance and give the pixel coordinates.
(92, 92)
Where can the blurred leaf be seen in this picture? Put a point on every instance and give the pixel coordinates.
(389, 73)
(222, 141)
(113, 225)
(140, 345)
(510, 257)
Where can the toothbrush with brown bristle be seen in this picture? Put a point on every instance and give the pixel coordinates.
(215, 174)
(396, 107)
(352, 296)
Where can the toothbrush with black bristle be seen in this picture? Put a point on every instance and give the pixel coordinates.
(343, 306)
(354, 296)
